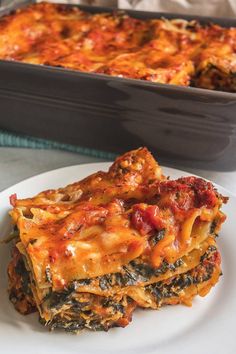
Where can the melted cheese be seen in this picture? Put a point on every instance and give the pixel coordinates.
(159, 50)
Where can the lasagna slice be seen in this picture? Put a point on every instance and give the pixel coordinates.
(87, 255)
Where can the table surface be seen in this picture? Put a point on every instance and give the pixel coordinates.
(17, 164)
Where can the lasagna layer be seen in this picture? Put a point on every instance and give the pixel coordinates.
(116, 44)
(74, 311)
(136, 273)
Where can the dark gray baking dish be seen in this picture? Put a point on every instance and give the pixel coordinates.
(178, 124)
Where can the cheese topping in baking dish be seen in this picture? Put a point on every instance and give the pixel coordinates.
(165, 51)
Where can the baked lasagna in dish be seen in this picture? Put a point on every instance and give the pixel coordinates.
(165, 51)
(89, 254)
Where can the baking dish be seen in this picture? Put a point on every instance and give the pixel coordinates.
(179, 124)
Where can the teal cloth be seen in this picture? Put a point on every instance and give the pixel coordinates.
(8, 139)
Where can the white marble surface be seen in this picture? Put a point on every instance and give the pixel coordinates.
(17, 164)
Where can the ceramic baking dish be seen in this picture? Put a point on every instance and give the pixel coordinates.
(179, 124)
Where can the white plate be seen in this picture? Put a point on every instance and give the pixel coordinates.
(208, 327)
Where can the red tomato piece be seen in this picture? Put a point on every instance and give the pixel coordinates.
(146, 220)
